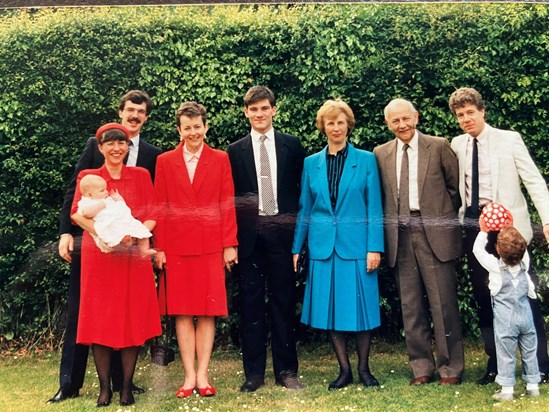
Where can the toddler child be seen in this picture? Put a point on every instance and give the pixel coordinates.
(113, 219)
(510, 286)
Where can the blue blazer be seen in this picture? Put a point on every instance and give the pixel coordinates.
(355, 227)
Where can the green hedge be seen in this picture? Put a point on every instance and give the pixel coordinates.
(62, 72)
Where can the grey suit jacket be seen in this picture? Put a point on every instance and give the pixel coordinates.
(510, 164)
(438, 193)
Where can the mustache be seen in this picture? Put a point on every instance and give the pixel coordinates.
(134, 119)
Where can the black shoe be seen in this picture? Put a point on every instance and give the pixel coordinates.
(368, 380)
(289, 382)
(490, 377)
(252, 384)
(63, 394)
(341, 382)
(129, 401)
(104, 403)
(135, 389)
(544, 377)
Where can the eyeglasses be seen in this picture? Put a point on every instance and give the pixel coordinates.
(139, 112)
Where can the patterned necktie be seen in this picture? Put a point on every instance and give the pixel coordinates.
(404, 189)
(267, 193)
(474, 182)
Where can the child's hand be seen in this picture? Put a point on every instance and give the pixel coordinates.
(482, 225)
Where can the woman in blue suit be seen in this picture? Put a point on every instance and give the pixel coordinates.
(341, 218)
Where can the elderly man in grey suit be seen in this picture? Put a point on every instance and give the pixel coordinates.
(419, 176)
(503, 162)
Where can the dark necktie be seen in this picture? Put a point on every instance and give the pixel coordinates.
(267, 193)
(474, 181)
(404, 189)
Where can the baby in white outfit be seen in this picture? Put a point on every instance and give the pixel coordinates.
(113, 219)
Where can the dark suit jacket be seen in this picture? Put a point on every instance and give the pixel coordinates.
(289, 157)
(91, 158)
(439, 199)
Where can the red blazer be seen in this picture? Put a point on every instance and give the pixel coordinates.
(194, 218)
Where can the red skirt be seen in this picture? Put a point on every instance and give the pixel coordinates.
(194, 286)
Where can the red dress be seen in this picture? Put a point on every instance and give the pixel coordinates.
(118, 303)
(195, 222)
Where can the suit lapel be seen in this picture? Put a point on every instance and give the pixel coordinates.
(281, 154)
(179, 172)
(349, 170)
(321, 178)
(495, 155)
(202, 168)
(249, 162)
(390, 170)
(423, 156)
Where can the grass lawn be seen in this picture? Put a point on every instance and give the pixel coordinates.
(27, 382)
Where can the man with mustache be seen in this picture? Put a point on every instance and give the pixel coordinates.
(134, 109)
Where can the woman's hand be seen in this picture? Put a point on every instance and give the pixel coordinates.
(373, 259)
(230, 257)
(84, 222)
(160, 259)
(296, 258)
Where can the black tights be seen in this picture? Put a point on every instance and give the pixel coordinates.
(339, 343)
(102, 357)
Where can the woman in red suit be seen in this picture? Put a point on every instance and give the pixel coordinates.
(195, 239)
(118, 305)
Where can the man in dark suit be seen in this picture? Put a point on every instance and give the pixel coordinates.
(266, 167)
(419, 176)
(134, 109)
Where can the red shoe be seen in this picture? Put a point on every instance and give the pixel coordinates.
(184, 393)
(208, 391)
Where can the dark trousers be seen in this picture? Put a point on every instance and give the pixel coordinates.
(268, 273)
(481, 293)
(74, 357)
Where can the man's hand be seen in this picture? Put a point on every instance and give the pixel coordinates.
(160, 259)
(66, 246)
(296, 258)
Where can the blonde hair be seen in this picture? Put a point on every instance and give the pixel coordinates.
(332, 108)
(90, 182)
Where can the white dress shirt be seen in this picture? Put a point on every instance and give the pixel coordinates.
(484, 176)
(412, 170)
(271, 152)
(133, 150)
(191, 160)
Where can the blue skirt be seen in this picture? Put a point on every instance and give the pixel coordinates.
(340, 295)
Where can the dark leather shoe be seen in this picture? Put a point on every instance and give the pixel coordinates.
(137, 390)
(449, 381)
(104, 403)
(544, 377)
(289, 382)
(63, 394)
(421, 380)
(488, 378)
(252, 384)
(368, 380)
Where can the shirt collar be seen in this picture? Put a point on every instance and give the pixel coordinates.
(413, 143)
(256, 135)
(343, 152)
(482, 137)
(135, 141)
(189, 156)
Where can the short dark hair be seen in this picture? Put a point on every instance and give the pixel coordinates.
(112, 135)
(136, 97)
(191, 109)
(257, 93)
(511, 246)
(463, 96)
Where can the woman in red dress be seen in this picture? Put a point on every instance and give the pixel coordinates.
(195, 239)
(118, 304)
